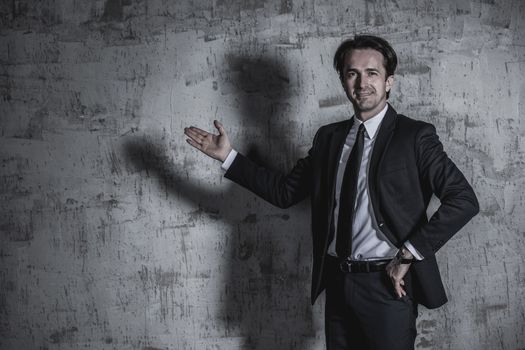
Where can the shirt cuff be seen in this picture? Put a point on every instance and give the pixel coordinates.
(229, 160)
(413, 250)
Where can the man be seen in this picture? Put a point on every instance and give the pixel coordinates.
(370, 179)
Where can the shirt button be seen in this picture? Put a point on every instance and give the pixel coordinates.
(381, 224)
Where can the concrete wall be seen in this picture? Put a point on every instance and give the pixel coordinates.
(115, 234)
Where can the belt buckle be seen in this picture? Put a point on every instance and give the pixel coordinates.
(346, 266)
(350, 266)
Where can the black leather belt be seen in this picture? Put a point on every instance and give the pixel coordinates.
(352, 266)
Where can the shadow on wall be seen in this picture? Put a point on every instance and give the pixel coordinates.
(265, 296)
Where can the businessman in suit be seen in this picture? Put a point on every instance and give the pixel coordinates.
(370, 179)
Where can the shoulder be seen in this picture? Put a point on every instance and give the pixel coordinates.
(412, 127)
(421, 135)
(326, 133)
(404, 122)
(329, 128)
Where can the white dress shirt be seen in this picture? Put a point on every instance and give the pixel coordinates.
(368, 242)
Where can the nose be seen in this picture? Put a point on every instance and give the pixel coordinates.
(359, 81)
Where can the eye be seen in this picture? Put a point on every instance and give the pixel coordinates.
(350, 74)
(372, 73)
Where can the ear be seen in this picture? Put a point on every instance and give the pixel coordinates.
(389, 83)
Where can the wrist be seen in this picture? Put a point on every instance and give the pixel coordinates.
(404, 256)
(405, 253)
(222, 157)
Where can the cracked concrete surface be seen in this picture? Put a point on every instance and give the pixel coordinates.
(115, 234)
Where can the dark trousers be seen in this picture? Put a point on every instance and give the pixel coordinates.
(363, 313)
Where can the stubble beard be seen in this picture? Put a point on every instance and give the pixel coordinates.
(364, 102)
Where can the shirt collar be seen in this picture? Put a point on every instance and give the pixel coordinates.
(372, 124)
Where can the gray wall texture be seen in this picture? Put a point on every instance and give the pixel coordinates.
(116, 234)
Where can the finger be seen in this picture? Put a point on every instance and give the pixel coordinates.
(397, 289)
(400, 291)
(194, 144)
(201, 132)
(194, 140)
(190, 131)
(402, 284)
(193, 135)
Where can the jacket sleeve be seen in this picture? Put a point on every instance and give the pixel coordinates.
(458, 201)
(281, 190)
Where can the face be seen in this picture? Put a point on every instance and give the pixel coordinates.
(365, 82)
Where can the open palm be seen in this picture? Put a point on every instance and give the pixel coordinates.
(215, 146)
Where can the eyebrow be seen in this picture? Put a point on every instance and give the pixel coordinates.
(366, 70)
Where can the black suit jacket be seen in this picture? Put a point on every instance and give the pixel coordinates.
(407, 166)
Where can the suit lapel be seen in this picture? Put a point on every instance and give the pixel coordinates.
(384, 135)
(335, 149)
(382, 139)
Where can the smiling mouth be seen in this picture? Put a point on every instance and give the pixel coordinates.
(363, 94)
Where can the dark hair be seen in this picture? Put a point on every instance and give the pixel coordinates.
(366, 42)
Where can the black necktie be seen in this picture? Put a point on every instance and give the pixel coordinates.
(347, 197)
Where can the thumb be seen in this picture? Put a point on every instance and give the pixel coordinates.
(219, 127)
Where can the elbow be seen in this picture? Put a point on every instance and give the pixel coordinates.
(283, 204)
(475, 207)
(471, 205)
(465, 203)
(285, 198)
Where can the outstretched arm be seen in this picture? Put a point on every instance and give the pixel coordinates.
(278, 189)
(215, 146)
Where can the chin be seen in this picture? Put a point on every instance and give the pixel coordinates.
(364, 106)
